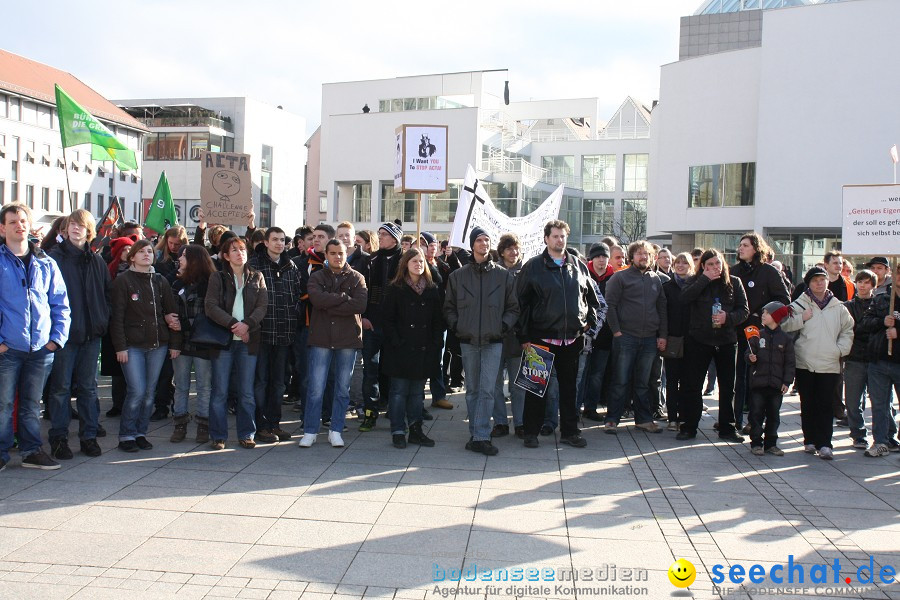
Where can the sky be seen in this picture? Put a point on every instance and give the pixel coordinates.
(282, 52)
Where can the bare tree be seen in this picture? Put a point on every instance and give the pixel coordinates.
(632, 223)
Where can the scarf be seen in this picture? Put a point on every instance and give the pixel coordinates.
(418, 287)
(820, 303)
(680, 280)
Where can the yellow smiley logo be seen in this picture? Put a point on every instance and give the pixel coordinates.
(682, 573)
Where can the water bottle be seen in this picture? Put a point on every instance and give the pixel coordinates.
(716, 309)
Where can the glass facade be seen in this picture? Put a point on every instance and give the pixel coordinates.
(634, 218)
(265, 188)
(504, 196)
(397, 206)
(722, 185)
(635, 178)
(184, 145)
(425, 103)
(362, 202)
(442, 207)
(598, 173)
(599, 215)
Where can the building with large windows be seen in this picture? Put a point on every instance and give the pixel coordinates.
(34, 169)
(521, 152)
(764, 118)
(182, 128)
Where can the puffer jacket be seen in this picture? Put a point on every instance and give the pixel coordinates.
(413, 332)
(701, 294)
(775, 359)
(140, 302)
(337, 300)
(858, 307)
(823, 339)
(87, 285)
(555, 302)
(220, 295)
(34, 306)
(481, 304)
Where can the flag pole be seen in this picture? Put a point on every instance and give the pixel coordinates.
(893, 297)
(68, 185)
(418, 217)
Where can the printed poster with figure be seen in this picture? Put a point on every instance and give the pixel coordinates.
(420, 163)
(226, 187)
(534, 370)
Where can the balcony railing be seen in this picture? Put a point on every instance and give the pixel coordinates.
(188, 122)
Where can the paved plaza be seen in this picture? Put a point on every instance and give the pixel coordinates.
(371, 521)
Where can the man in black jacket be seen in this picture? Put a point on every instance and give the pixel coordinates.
(75, 364)
(856, 366)
(557, 306)
(481, 307)
(884, 372)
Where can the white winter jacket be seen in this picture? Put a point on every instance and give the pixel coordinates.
(823, 339)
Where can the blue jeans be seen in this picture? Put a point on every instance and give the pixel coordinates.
(632, 361)
(26, 372)
(406, 403)
(322, 361)
(141, 374)
(516, 394)
(884, 377)
(203, 373)
(591, 388)
(244, 364)
(74, 373)
(271, 363)
(481, 365)
(855, 377)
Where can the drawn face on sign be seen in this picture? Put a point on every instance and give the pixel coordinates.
(226, 183)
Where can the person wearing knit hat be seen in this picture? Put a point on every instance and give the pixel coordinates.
(778, 311)
(476, 233)
(393, 229)
(428, 237)
(598, 249)
(116, 247)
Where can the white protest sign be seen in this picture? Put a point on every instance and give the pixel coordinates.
(423, 158)
(475, 209)
(870, 224)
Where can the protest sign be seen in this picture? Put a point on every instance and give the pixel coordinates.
(420, 163)
(534, 369)
(871, 220)
(225, 187)
(476, 209)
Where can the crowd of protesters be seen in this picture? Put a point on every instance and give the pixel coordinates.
(258, 322)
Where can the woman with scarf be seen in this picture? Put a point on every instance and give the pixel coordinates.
(825, 336)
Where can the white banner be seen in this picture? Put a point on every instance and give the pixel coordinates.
(476, 209)
(871, 220)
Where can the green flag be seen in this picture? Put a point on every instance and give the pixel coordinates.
(77, 126)
(162, 213)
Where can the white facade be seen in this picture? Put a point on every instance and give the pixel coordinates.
(245, 126)
(811, 107)
(521, 151)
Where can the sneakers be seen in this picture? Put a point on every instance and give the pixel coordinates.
(90, 447)
(40, 460)
(684, 435)
(531, 441)
(482, 446)
(335, 439)
(732, 437)
(672, 426)
(546, 430)
(399, 440)
(417, 436)
(878, 450)
(649, 427)
(500, 431)
(809, 449)
(281, 434)
(308, 440)
(128, 446)
(610, 427)
(369, 421)
(142, 443)
(575, 440)
(266, 437)
(59, 449)
(757, 451)
(217, 445)
(860, 444)
(825, 453)
(520, 432)
(442, 403)
(775, 451)
(247, 443)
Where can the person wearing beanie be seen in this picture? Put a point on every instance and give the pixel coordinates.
(771, 360)
(393, 229)
(593, 387)
(856, 366)
(825, 336)
(476, 233)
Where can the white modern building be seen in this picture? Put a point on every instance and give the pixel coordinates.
(766, 115)
(182, 128)
(520, 150)
(33, 167)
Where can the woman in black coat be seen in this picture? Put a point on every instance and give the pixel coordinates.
(413, 338)
(679, 316)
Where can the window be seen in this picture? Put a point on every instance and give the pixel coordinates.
(362, 202)
(29, 196)
(265, 188)
(559, 166)
(2, 192)
(74, 199)
(4, 103)
(229, 144)
(215, 142)
(722, 185)
(397, 206)
(598, 216)
(598, 173)
(442, 207)
(45, 157)
(266, 158)
(15, 109)
(87, 201)
(199, 143)
(43, 116)
(45, 198)
(323, 204)
(570, 212)
(635, 177)
(29, 113)
(634, 218)
(100, 204)
(60, 201)
(503, 195)
(14, 168)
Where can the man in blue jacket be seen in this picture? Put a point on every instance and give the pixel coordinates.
(34, 323)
